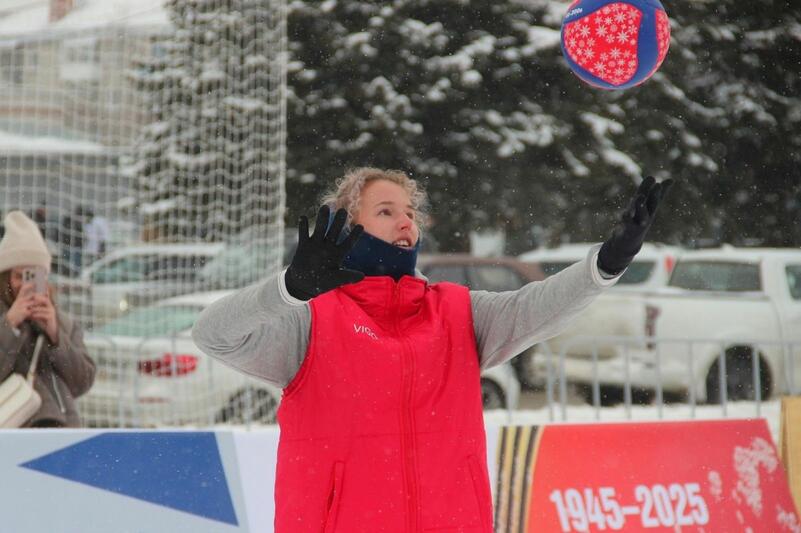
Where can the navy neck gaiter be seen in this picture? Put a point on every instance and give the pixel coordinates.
(376, 257)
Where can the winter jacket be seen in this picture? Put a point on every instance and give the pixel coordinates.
(64, 372)
(382, 428)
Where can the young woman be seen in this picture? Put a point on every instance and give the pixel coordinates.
(381, 417)
(64, 371)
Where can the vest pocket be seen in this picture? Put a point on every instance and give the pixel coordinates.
(480, 490)
(335, 494)
(454, 498)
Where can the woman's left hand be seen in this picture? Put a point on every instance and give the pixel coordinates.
(44, 315)
(619, 250)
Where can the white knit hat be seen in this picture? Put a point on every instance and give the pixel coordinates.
(22, 244)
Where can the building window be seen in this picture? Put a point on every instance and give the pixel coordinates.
(12, 63)
(80, 59)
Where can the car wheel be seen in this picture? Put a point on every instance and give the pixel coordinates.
(251, 404)
(739, 377)
(492, 396)
(523, 365)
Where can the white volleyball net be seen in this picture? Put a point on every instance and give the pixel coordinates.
(146, 138)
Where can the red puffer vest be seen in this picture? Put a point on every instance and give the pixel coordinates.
(382, 428)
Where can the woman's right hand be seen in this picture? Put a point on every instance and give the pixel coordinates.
(22, 307)
(317, 265)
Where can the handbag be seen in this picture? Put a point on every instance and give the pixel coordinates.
(18, 399)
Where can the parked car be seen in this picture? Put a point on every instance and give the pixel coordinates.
(479, 273)
(236, 266)
(651, 267)
(99, 293)
(151, 373)
(488, 274)
(246, 260)
(728, 311)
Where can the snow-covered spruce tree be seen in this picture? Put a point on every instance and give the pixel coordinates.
(450, 91)
(747, 57)
(209, 166)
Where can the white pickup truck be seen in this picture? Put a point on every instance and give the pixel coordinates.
(650, 269)
(729, 319)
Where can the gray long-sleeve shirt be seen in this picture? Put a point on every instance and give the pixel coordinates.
(263, 331)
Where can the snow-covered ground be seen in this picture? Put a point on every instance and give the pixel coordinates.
(769, 410)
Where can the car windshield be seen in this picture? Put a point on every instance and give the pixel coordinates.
(154, 321)
(638, 271)
(236, 266)
(716, 276)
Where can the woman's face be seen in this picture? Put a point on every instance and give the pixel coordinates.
(385, 211)
(16, 280)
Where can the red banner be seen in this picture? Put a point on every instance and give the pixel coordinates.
(710, 476)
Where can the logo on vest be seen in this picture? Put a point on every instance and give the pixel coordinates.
(365, 330)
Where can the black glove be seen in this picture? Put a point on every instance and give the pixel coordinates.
(317, 265)
(628, 236)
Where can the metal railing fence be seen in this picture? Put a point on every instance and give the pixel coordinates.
(771, 367)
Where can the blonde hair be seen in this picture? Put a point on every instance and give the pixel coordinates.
(347, 191)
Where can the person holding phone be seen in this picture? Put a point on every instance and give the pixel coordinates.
(65, 370)
(381, 414)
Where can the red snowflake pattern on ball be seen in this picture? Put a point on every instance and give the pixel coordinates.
(605, 42)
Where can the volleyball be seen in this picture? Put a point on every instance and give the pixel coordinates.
(614, 44)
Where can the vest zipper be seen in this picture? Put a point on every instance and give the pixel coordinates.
(407, 422)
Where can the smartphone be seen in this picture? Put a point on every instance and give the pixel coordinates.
(37, 276)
